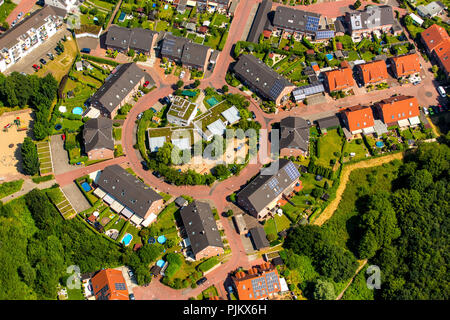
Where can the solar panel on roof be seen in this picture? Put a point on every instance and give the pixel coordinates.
(276, 89)
(271, 279)
(324, 34)
(291, 171)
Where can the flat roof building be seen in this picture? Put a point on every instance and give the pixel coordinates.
(181, 111)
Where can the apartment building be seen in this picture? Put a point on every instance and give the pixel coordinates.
(29, 34)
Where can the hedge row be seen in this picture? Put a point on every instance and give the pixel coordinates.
(208, 264)
(100, 60)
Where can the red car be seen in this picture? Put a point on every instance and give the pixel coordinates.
(146, 83)
(36, 67)
(63, 137)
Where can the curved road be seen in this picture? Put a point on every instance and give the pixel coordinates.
(217, 193)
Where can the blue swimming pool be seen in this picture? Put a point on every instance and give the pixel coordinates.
(329, 56)
(86, 187)
(127, 239)
(161, 239)
(151, 240)
(160, 263)
(77, 110)
(379, 144)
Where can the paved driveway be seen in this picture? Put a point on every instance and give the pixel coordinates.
(60, 156)
(76, 198)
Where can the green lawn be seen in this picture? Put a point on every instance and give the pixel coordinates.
(162, 25)
(328, 144)
(5, 10)
(359, 149)
(75, 294)
(352, 56)
(276, 224)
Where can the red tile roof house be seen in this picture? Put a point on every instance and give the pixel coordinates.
(373, 72)
(399, 110)
(109, 284)
(339, 79)
(259, 283)
(405, 65)
(437, 44)
(358, 119)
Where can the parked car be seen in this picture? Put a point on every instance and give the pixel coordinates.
(308, 122)
(50, 55)
(442, 91)
(85, 50)
(210, 66)
(182, 74)
(146, 84)
(132, 296)
(144, 165)
(36, 67)
(139, 116)
(201, 281)
(253, 115)
(130, 273)
(42, 60)
(425, 110)
(156, 174)
(230, 289)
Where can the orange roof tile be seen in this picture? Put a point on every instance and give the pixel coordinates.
(258, 283)
(358, 117)
(443, 53)
(434, 36)
(340, 79)
(406, 65)
(373, 72)
(316, 67)
(398, 108)
(109, 284)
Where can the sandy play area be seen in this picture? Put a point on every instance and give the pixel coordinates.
(204, 165)
(10, 139)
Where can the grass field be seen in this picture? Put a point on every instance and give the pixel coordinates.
(276, 224)
(327, 145)
(5, 10)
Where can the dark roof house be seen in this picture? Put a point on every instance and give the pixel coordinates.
(294, 134)
(117, 87)
(291, 19)
(122, 39)
(97, 134)
(201, 229)
(260, 21)
(259, 238)
(127, 190)
(268, 186)
(262, 78)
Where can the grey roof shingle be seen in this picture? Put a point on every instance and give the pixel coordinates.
(260, 21)
(200, 226)
(294, 19)
(124, 38)
(127, 189)
(259, 237)
(294, 133)
(259, 75)
(194, 54)
(97, 134)
(264, 188)
(371, 17)
(118, 85)
(173, 46)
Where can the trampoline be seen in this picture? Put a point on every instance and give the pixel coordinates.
(160, 263)
(151, 240)
(62, 109)
(58, 127)
(77, 110)
(161, 239)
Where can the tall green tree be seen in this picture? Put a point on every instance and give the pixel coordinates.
(30, 157)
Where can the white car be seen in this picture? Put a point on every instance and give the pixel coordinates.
(182, 74)
(425, 110)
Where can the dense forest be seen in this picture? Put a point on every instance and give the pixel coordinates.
(37, 246)
(18, 90)
(403, 230)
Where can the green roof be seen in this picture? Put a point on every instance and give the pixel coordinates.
(181, 108)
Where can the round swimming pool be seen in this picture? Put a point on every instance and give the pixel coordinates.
(151, 240)
(58, 126)
(77, 110)
(127, 239)
(379, 144)
(160, 263)
(161, 239)
(86, 187)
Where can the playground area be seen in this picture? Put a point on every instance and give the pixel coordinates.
(14, 128)
(235, 152)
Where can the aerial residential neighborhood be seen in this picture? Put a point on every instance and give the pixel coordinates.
(226, 150)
